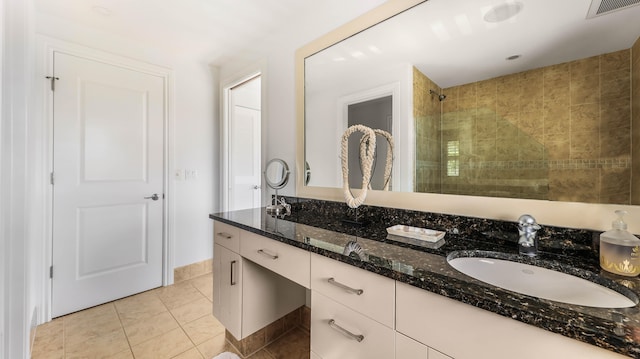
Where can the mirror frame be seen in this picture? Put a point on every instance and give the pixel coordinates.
(555, 213)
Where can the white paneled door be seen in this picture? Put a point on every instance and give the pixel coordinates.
(108, 182)
(245, 149)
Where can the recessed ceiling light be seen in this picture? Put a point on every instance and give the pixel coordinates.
(513, 57)
(503, 12)
(101, 10)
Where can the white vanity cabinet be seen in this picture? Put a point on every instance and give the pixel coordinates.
(462, 331)
(407, 348)
(227, 289)
(246, 295)
(352, 311)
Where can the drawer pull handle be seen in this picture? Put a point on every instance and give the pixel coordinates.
(345, 287)
(233, 282)
(346, 333)
(225, 235)
(267, 254)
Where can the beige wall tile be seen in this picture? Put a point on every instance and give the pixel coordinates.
(574, 185)
(615, 85)
(585, 67)
(635, 51)
(616, 61)
(585, 89)
(615, 142)
(296, 345)
(560, 72)
(585, 117)
(585, 145)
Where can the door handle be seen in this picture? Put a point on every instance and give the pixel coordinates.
(232, 282)
(256, 187)
(154, 197)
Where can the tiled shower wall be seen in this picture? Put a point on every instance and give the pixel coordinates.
(561, 132)
(635, 124)
(427, 115)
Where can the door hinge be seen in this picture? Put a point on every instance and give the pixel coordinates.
(51, 272)
(52, 178)
(53, 82)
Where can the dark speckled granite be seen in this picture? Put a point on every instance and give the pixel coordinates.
(317, 226)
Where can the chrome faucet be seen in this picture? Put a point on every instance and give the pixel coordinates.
(528, 241)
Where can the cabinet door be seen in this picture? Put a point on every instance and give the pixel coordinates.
(407, 348)
(227, 289)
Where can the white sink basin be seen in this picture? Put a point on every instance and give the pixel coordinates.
(541, 282)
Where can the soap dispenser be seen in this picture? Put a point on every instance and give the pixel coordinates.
(619, 249)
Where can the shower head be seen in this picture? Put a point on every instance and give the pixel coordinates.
(441, 97)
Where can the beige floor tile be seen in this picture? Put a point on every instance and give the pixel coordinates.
(192, 311)
(164, 346)
(179, 294)
(140, 306)
(143, 330)
(203, 329)
(190, 354)
(86, 325)
(293, 345)
(127, 354)
(215, 346)
(49, 340)
(204, 284)
(102, 346)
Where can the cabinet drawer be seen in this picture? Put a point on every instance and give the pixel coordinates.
(288, 261)
(366, 292)
(335, 330)
(226, 235)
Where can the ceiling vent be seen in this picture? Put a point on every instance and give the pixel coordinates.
(602, 7)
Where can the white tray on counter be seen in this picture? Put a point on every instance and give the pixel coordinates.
(422, 234)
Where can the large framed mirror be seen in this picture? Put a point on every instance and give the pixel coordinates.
(533, 110)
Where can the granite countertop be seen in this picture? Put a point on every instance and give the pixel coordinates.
(427, 268)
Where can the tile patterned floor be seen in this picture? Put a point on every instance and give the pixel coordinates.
(168, 322)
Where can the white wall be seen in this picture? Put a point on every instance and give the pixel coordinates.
(278, 54)
(16, 196)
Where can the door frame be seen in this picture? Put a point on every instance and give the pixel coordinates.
(225, 88)
(46, 48)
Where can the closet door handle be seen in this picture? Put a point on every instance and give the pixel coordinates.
(346, 333)
(233, 282)
(261, 251)
(224, 235)
(345, 287)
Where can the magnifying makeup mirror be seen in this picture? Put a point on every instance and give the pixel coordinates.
(276, 175)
